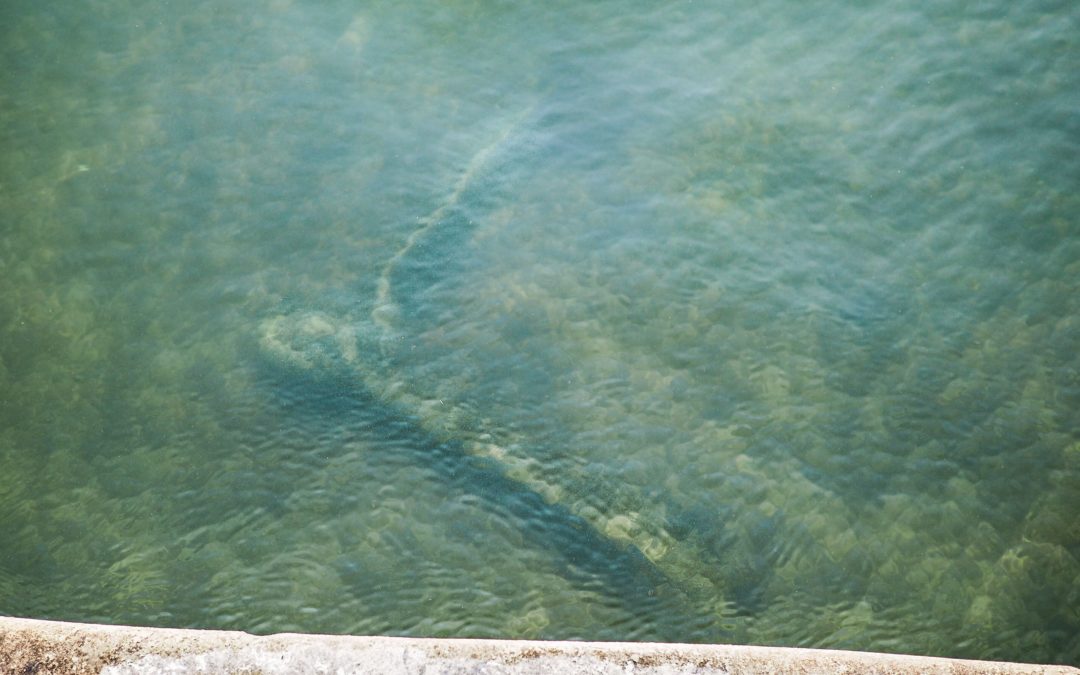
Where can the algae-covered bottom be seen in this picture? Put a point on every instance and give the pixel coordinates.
(753, 323)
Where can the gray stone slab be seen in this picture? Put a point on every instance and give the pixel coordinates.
(35, 646)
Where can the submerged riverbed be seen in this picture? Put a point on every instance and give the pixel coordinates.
(708, 322)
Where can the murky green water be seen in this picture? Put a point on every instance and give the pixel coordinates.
(750, 322)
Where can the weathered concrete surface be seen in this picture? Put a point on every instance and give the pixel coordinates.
(33, 646)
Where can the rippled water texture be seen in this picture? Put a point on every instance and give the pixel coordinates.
(751, 322)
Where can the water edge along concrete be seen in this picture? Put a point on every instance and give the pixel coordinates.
(36, 646)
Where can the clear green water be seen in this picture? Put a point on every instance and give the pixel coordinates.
(750, 322)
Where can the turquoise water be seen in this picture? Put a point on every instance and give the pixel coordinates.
(751, 322)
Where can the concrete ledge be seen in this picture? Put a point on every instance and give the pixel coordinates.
(33, 646)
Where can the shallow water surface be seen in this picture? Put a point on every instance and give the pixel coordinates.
(708, 322)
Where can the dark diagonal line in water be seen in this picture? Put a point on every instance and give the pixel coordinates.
(364, 348)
